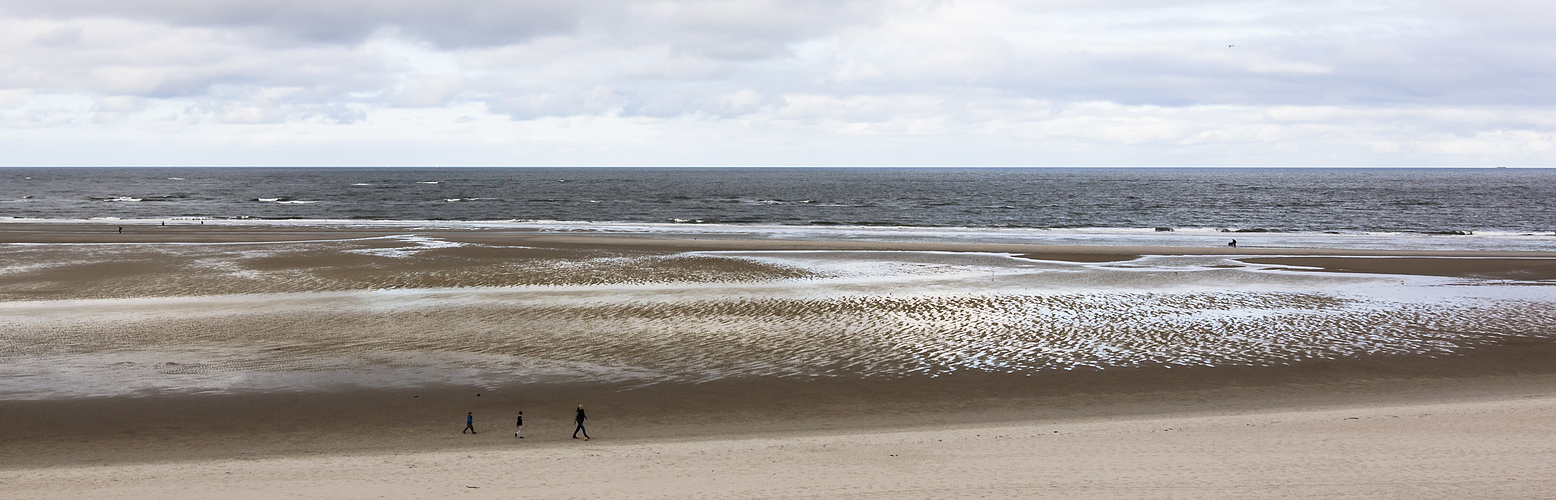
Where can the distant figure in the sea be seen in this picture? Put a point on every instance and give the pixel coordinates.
(469, 423)
(121, 229)
(1233, 244)
(580, 418)
(519, 433)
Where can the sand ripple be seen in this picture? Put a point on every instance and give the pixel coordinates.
(409, 340)
(471, 314)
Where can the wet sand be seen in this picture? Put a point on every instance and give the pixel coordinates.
(121, 430)
(175, 260)
(1245, 422)
(1479, 267)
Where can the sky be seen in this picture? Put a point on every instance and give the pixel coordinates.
(797, 82)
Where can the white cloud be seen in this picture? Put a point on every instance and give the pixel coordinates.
(805, 82)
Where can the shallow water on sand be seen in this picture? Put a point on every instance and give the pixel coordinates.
(402, 315)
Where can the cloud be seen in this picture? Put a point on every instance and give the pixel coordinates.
(116, 57)
(720, 28)
(1211, 79)
(450, 23)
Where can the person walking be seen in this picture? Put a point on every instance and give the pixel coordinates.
(519, 433)
(580, 418)
(469, 423)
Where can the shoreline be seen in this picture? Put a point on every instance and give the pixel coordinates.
(43, 233)
(1208, 241)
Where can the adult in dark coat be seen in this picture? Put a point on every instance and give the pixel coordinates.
(580, 418)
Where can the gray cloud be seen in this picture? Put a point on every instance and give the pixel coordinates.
(1171, 53)
(1064, 74)
(720, 28)
(449, 23)
(331, 51)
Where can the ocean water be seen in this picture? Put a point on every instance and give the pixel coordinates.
(1422, 201)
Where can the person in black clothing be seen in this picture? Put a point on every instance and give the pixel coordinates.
(469, 423)
(519, 433)
(580, 419)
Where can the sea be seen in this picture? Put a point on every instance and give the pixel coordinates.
(1391, 208)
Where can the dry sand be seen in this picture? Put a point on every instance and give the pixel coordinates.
(1483, 449)
(1478, 424)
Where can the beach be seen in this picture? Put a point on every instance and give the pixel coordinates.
(1482, 449)
(265, 360)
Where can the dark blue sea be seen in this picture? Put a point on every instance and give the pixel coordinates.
(1239, 200)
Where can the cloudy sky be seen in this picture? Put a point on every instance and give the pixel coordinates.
(797, 82)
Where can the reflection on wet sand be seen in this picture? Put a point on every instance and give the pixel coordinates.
(92, 320)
